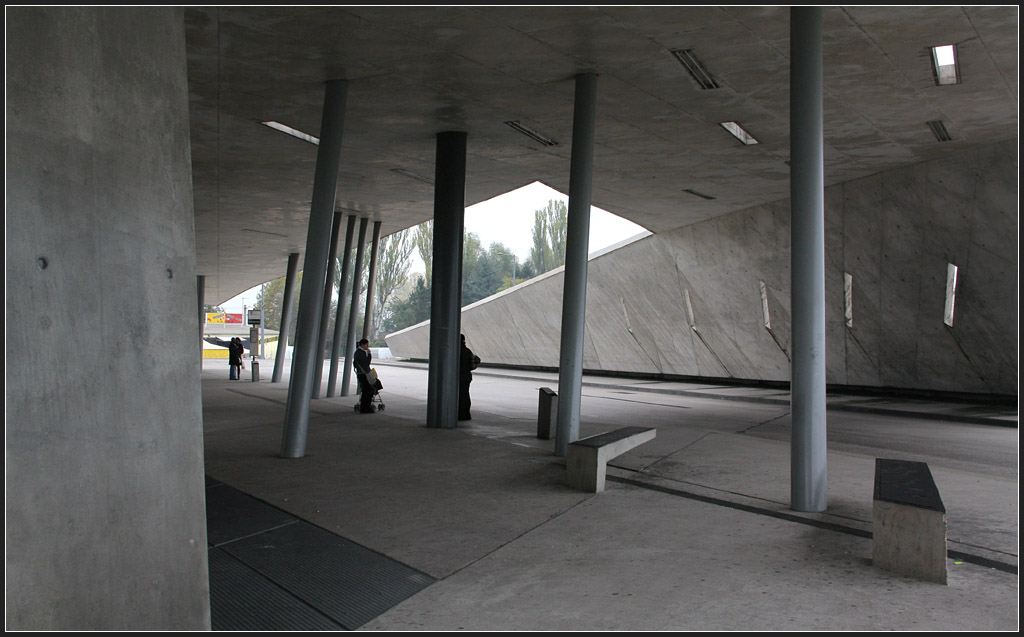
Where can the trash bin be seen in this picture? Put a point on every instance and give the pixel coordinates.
(255, 371)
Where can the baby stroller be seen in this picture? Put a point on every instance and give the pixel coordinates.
(376, 402)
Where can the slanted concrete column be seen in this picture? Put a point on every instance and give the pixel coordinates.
(371, 280)
(314, 270)
(286, 316)
(446, 287)
(346, 265)
(574, 298)
(350, 342)
(325, 308)
(808, 456)
(201, 300)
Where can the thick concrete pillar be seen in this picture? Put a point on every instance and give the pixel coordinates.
(105, 520)
(446, 287)
(343, 290)
(808, 459)
(574, 298)
(371, 280)
(350, 342)
(325, 308)
(314, 270)
(286, 316)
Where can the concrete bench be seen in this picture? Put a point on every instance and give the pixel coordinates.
(909, 521)
(587, 461)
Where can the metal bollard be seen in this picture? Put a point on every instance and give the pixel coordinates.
(547, 413)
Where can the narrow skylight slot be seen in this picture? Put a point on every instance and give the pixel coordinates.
(288, 130)
(764, 305)
(412, 175)
(532, 134)
(696, 68)
(689, 310)
(944, 65)
(939, 130)
(951, 274)
(848, 295)
(737, 131)
(697, 194)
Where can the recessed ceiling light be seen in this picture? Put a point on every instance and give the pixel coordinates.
(412, 175)
(738, 132)
(697, 194)
(944, 64)
(696, 68)
(939, 130)
(293, 132)
(532, 134)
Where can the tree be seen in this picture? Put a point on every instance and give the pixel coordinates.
(271, 299)
(424, 241)
(392, 274)
(411, 310)
(549, 233)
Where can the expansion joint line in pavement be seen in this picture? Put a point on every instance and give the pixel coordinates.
(523, 534)
(955, 555)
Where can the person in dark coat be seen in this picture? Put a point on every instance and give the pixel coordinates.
(361, 362)
(235, 352)
(467, 363)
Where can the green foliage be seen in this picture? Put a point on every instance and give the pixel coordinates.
(271, 299)
(409, 311)
(549, 232)
(423, 239)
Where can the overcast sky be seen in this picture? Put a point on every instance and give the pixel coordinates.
(508, 219)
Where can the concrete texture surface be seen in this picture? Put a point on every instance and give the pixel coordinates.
(105, 522)
(894, 233)
(698, 537)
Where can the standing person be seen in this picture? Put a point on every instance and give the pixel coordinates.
(235, 351)
(361, 362)
(468, 361)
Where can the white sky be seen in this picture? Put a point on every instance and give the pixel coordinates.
(508, 219)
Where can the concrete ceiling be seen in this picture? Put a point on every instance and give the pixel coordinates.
(417, 71)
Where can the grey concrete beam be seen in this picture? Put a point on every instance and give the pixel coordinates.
(809, 472)
(574, 295)
(314, 271)
(446, 280)
(350, 342)
(286, 316)
(343, 292)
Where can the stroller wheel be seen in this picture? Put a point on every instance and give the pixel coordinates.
(356, 407)
(380, 407)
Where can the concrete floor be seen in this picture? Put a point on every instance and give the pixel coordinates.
(694, 531)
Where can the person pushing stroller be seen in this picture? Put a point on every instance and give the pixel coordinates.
(361, 363)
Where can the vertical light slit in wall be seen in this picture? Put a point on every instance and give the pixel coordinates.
(689, 310)
(764, 305)
(848, 293)
(951, 273)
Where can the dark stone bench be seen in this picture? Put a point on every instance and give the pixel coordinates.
(587, 461)
(909, 521)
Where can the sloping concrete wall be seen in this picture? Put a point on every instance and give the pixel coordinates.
(894, 233)
(105, 507)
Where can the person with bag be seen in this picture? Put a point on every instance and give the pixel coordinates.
(235, 351)
(361, 363)
(468, 361)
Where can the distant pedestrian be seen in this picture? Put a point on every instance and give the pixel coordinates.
(235, 352)
(361, 362)
(468, 361)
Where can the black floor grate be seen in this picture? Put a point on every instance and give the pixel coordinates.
(272, 571)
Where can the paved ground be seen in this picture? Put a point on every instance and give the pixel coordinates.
(693, 533)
